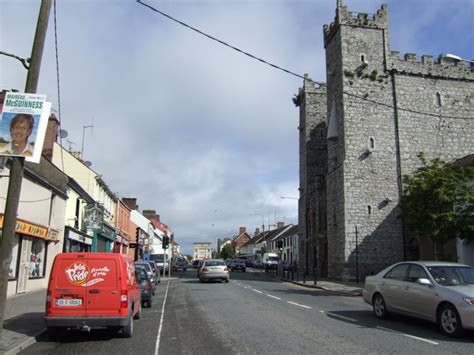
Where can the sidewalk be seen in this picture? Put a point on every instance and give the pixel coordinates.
(344, 288)
(24, 321)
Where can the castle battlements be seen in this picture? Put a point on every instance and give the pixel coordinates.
(442, 67)
(357, 19)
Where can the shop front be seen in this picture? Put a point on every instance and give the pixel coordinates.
(76, 241)
(103, 238)
(31, 244)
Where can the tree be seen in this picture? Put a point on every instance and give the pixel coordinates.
(227, 252)
(438, 202)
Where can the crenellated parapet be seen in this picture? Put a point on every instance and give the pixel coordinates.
(442, 67)
(379, 20)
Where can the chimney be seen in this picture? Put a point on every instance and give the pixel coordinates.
(280, 224)
(51, 136)
(130, 202)
(242, 230)
(150, 214)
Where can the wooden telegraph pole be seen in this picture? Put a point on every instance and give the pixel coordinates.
(16, 170)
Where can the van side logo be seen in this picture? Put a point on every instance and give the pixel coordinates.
(77, 273)
(80, 275)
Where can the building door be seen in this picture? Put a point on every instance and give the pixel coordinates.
(23, 271)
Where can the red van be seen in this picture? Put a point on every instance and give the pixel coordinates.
(90, 290)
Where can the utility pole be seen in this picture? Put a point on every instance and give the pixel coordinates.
(17, 166)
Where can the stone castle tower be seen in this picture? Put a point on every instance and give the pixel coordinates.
(381, 111)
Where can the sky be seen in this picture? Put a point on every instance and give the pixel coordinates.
(193, 129)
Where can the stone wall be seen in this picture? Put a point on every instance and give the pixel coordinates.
(381, 112)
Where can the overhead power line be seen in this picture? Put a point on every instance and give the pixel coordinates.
(154, 9)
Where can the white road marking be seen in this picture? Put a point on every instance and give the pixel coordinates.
(342, 317)
(275, 297)
(157, 344)
(299, 305)
(422, 339)
(321, 311)
(256, 290)
(409, 336)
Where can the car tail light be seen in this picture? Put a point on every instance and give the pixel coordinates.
(226, 269)
(48, 302)
(123, 299)
(469, 300)
(205, 269)
(148, 287)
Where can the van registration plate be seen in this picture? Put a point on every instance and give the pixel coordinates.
(68, 302)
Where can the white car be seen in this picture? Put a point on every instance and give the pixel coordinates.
(213, 269)
(439, 292)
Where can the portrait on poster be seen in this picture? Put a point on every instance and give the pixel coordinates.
(23, 125)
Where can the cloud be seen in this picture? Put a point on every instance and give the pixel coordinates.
(185, 124)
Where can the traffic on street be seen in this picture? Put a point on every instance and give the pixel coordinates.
(256, 314)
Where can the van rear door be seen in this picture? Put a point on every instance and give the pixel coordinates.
(67, 285)
(103, 285)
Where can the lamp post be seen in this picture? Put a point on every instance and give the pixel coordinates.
(263, 219)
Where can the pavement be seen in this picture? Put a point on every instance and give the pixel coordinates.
(24, 313)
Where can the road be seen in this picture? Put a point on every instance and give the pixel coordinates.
(255, 314)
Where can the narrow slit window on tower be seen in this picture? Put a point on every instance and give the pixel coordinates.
(438, 99)
(369, 209)
(362, 58)
(371, 143)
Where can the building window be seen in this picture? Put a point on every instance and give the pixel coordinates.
(438, 100)
(369, 209)
(371, 143)
(38, 247)
(362, 58)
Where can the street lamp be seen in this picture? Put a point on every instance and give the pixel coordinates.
(457, 58)
(263, 219)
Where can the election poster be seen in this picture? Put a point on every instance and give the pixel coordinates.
(23, 125)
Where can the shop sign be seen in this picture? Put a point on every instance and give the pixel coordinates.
(53, 235)
(27, 228)
(79, 237)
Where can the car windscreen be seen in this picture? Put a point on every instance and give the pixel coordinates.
(273, 258)
(452, 275)
(215, 263)
(145, 266)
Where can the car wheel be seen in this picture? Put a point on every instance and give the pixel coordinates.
(149, 303)
(138, 315)
(226, 281)
(127, 331)
(380, 309)
(449, 321)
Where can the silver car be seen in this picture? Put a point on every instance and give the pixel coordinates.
(439, 292)
(213, 269)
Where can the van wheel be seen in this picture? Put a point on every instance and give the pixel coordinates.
(138, 315)
(127, 331)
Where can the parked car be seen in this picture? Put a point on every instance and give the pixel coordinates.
(89, 290)
(156, 270)
(195, 263)
(214, 269)
(439, 292)
(147, 267)
(248, 263)
(146, 287)
(258, 264)
(237, 264)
